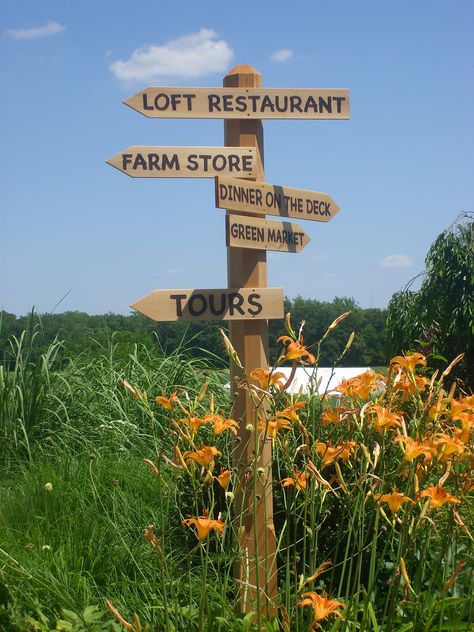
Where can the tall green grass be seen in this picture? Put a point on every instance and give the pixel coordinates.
(76, 498)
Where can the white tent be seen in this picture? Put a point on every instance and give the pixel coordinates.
(320, 379)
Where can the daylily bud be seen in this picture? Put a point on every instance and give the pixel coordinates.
(288, 328)
(349, 343)
(453, 363)
(376, 453)
(335, 323)
(230, 350)
(202, 393)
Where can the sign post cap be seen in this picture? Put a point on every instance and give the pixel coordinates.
(243, 69)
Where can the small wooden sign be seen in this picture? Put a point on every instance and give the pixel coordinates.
(186, 162)
(227, 304)
(242, 103)
(270, 199)
(261, 234)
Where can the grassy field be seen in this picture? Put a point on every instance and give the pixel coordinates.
(372, 496)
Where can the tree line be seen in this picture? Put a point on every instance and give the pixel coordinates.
(81, 333)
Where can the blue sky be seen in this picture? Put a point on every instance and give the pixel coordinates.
(401, 168)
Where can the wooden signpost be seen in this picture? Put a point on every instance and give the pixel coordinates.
(186, 162)
(238, 169)
(241, 102)
(227, 304)
(261, 234)
(270, 199)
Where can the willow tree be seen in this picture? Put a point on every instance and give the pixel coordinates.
(438, 319)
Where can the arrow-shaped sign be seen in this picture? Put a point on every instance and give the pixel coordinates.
(227, 304)
(270, 199)
(262, 234)
(186, 162)
(242, 103)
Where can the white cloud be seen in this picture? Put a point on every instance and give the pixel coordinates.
(186, 57)
(51, 28)
(284, 54)
(330, 275)
(173, 271)
(396, 261)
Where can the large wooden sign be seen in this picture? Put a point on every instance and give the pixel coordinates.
(227, 304)
(186, 162)
(270, 199)
(261, 234)
(242, 103)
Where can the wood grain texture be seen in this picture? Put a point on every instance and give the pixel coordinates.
(263, 198)
(186, 162)
(248, 268)
(221, 304)
(262, 234)
(239, 102)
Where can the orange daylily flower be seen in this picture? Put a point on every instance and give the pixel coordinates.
(467, 423)
(166, 402)
(409, 387)
(438, 496)
(322, 606)
(204, 456)
(299, 480)
(361, 386)
(221, 424)
(272, 426)
(462, 405)
(330, 454)
(384, 418)
(204, 525)
(193, 422)
(394, 500)
(448, 447)
(224, 478)
(266, 379)
(295, 350)
(290, 412)
(332, 416)
(414, 449)
(439, 409)
(409, 362)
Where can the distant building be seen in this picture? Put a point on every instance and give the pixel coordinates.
(320, 379)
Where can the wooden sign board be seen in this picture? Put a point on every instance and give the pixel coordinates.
(242, 103)
(227, 304)
(186, 162)
(261, 234)
(270, 199)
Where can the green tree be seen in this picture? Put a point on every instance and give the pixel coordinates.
(439, 318)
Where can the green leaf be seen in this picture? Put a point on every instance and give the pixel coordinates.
(92, 614)
(71, 616)
(373, 619)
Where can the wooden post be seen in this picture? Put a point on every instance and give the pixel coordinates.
(256, 571)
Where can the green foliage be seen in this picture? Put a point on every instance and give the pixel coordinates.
(368, 346)
(76, 503)
(439, 318)
(91, 336)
